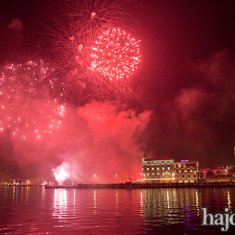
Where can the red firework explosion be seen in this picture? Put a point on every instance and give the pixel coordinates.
(115, 54)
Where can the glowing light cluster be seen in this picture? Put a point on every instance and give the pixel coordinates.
(115, 54)
(61, 173)
(25, 110)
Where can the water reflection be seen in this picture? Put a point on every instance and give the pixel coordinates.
(14, 193)
(167, 199)
(43, 195)
(116, 201)
(170, 206)
(94, 201)
(229, 199)
(60, 203)
(74, 198)
(197, 202)
(36, 210)
(141, 204)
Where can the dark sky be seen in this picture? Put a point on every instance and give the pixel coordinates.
(190, 63)
(187, 76)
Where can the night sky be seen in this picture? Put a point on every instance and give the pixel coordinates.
(183, 101)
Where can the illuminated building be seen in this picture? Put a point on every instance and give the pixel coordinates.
(158, 170)
(216, 171)
(167, 170)
(186, 171)
(221, 173)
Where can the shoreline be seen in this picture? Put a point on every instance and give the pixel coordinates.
(141, 185)
(129, 185)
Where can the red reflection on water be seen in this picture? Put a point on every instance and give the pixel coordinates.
(60, 202)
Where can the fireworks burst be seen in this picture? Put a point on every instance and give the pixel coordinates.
(27, 111)
(84, 55)
(115, 54)
(75, 33)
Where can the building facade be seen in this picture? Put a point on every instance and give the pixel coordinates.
(186, 171)
(159, 170)
(221, 173)
(167, 170)
(216, 171)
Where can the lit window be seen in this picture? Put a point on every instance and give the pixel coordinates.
(147, 169)
(168, 168)
(158, 168)
(163, 168)
(152, 168)
(152, 173)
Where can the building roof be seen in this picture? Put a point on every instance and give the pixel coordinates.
(157, 158)
(186, 160)
(153, 158)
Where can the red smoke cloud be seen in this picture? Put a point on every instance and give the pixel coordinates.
(93, 139)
